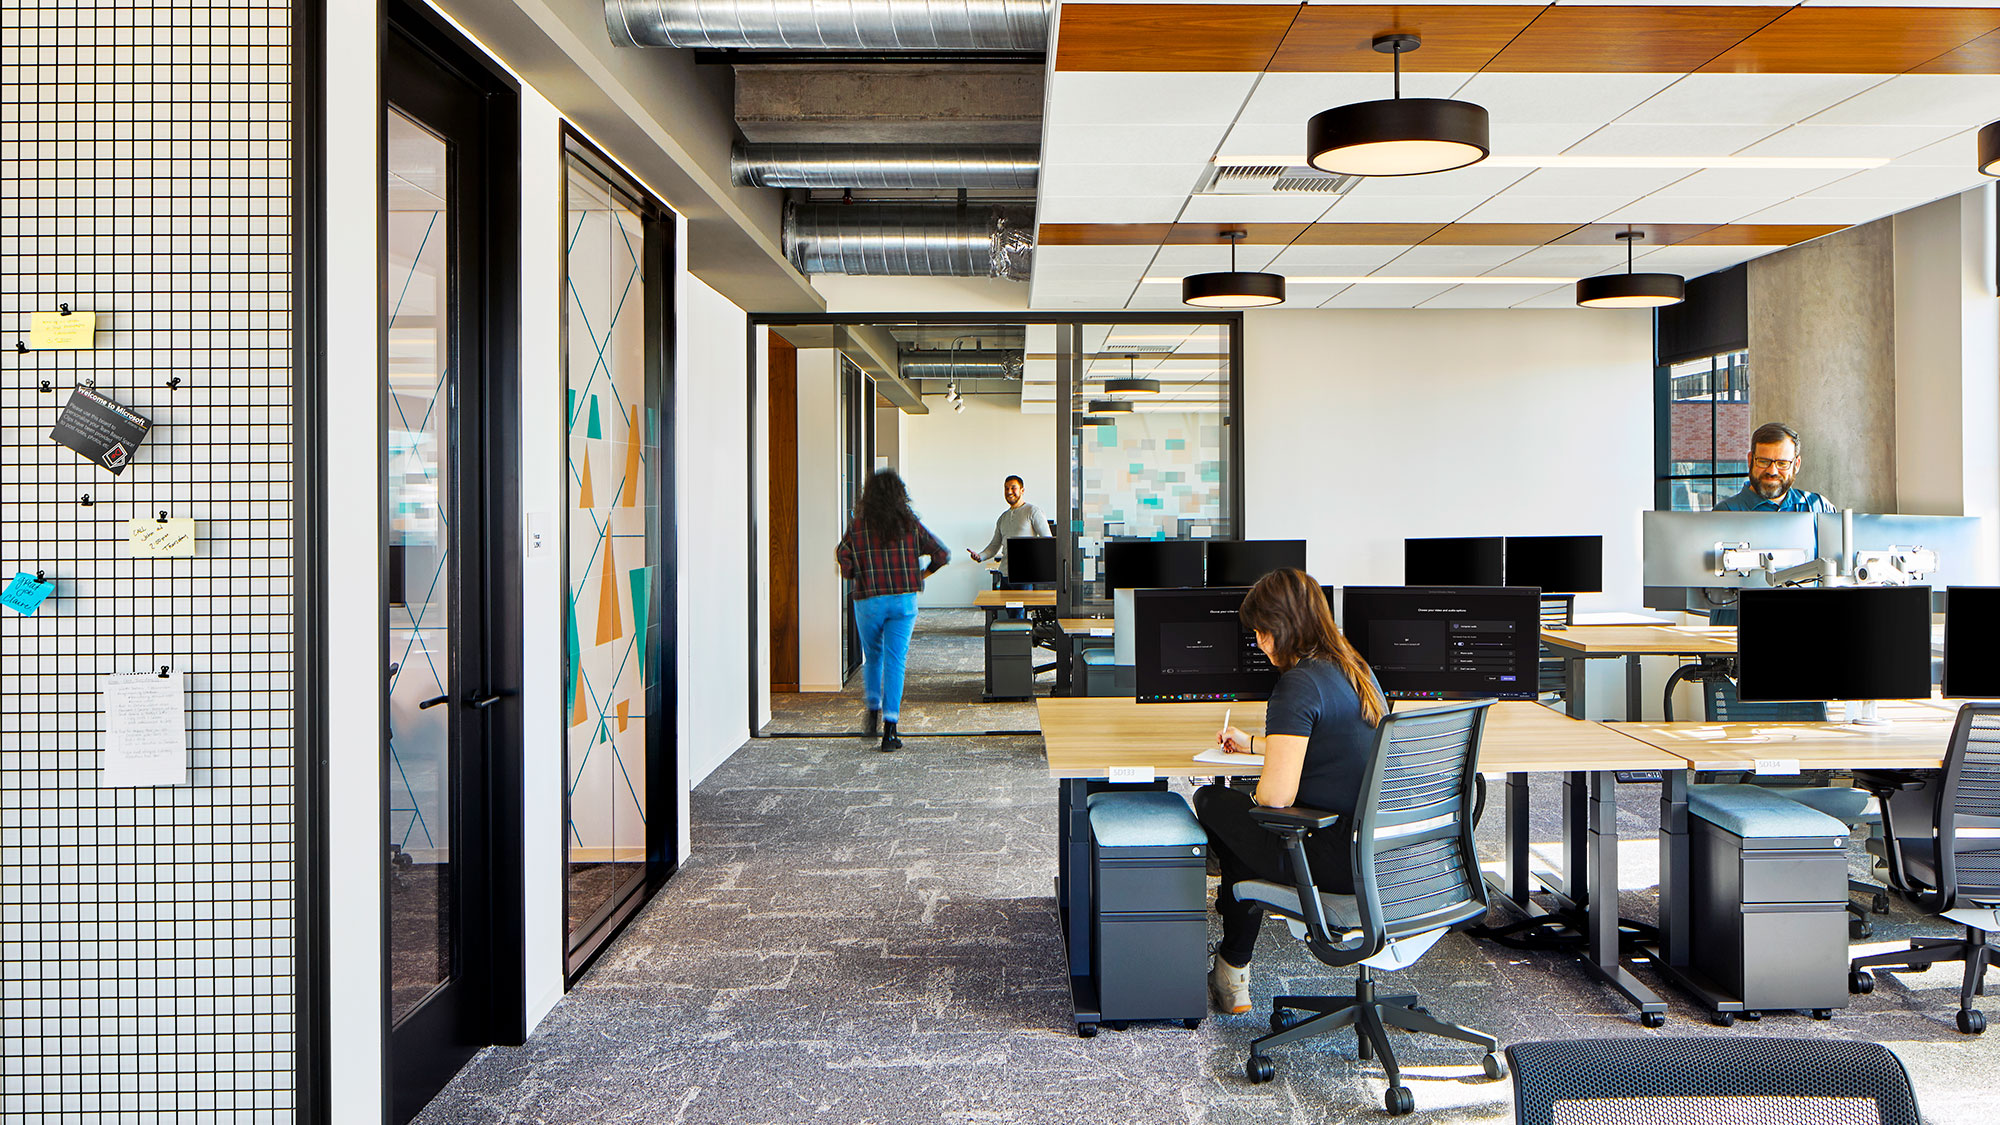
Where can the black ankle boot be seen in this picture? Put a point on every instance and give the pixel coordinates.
(871, 721)
(889, 739)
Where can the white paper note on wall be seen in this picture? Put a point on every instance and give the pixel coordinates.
(145, 729)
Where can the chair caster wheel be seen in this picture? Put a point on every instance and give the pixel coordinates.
(1399, 1101)
(1753, 1017)
(1259, 1069)
(1280, 1021)
(1191, 1024)
(1116, 1025)
(1086, 1031)
(1652, 1019)
(1859, 930)
(1880, 904)
(1919, 967)
(1822, 1013)
(1494, 1064)
(1860, 982)
(1724, 1019)
(1971, 1021)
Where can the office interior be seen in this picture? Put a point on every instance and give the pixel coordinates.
(465, 340)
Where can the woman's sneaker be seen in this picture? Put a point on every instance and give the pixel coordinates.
(1229, 987)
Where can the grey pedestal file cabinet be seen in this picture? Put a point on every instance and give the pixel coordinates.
(1149, 907)
(1010, 660)
(1768, 892)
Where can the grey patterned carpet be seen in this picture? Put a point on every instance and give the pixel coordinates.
(940, 692)
(865, 937)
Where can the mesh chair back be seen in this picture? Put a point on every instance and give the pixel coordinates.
(1552, 674)
(1415, 869)
(1720, 702)
(1968, 812)
(1722, 1080)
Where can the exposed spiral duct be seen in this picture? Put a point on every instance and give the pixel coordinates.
(983, 364)
(910, 239)
(866, 25)
(921, 167)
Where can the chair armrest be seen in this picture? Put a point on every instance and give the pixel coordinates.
(1292, 819)
(1884, 782)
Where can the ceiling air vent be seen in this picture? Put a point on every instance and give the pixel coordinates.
(1274, 179)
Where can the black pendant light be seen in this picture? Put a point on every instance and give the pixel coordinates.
(1088, 421)
(1989, 149)
(1630, 290)
(1401, 136)
(1110, 406)
(1233, 289)
(1131, 384)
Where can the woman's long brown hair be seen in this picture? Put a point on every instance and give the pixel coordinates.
(1292, 608)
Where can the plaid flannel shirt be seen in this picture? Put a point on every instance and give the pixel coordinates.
(880, 566)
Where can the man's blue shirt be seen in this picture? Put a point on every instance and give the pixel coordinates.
(1794, 500)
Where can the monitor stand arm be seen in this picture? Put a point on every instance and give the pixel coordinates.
(1861, 713)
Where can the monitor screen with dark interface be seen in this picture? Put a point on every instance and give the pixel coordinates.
(1189, 645)
(1971, 659)
(1241, 562)
(1453, 562)
(1854, 642)
(1432, 642)
(1556, 564)
(1031, 559)
(1151, 564)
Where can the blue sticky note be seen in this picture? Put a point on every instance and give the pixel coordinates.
(25, 594)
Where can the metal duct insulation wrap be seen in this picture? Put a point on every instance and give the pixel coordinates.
(931, 167)
(986, 364)
(910, 239)
(853, 25)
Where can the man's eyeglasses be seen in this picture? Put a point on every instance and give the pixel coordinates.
(1762, 463)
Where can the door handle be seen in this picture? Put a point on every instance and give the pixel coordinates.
(433, 702)
(482, 702)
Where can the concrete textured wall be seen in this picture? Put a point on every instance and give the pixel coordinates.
(1823, 359)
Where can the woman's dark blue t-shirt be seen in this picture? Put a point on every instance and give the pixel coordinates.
(1314, 701)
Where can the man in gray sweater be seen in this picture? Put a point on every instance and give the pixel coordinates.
(1020, 521)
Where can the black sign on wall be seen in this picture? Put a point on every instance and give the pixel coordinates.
(100, 430)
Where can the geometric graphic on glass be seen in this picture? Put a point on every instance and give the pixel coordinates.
(614, 456)
(417, 424)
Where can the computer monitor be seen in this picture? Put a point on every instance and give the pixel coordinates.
(1241, 562)
(1031, 559)
(1848, 642)
(1557, 564)
(1458, 561)
(1189, 645)
(1971, 660)
(1147, 564)
(1446, 642)
(1680, 548)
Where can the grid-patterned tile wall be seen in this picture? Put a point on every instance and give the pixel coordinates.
(146, 934)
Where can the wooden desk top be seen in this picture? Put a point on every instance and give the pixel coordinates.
(1624, 640)
(1086, 625)
(1902, 743)
(1085, 737)
(998, 599)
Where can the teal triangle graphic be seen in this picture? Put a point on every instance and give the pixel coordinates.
(575, 658)
(571, 412)
(642, 585)
(596, 430)
(603, 732)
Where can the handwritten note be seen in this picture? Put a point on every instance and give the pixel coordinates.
(145, 729)
(25, 594)
(48, 331)
(151, 539)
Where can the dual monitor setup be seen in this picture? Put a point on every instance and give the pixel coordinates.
(1150, 563)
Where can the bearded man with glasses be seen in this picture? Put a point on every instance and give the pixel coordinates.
(1774, 464)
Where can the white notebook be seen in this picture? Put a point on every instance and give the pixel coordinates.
(1221, 757)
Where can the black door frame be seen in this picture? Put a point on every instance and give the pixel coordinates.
(490, 971)
(758, 321)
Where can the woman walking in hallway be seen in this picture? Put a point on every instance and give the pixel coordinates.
(879, 555)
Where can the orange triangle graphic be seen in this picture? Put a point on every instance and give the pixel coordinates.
(629, 494)
(610, 623)
(624, 713)
(584, 498)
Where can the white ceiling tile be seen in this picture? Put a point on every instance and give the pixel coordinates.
(1561, 297)
(1816, 210)
(1543, 99)
(1118, 180)
(1628, 182)
(1478, 180)
(1626, 139)
(1563, 261)
(1484, 296)
(1916, 184)
(1177, 258)
(1285, 143)
(1333, 261)
(1130, 144)
(1661, 207)
(1748, 99)
(1289, 99)
(1255, 208)
(1405, 209)
(1449, 261)
(1756, 182)
(1097, 209)
(1960, 150)
(1383, 296)
(1870, 141)
(1510, 138)
(1087, 275)
(1148, 98)
(1956, 100)
(1513, 207)
(1693, 261)
(1092, 256)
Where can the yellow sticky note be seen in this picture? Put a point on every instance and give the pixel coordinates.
(152, 539)
(48, 331)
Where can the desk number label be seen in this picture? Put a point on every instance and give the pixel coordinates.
(1104, 632)
(1016, 605)
(1127, 774)
(1788, 766)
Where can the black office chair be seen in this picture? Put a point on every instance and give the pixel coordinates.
(1949, 867)
(1712, 1079)
(1415, 878)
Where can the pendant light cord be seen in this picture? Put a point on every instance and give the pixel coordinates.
(1396, 61)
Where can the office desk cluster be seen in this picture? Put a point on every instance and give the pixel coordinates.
(1093, 742)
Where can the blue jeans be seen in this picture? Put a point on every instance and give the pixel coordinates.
(885, 624)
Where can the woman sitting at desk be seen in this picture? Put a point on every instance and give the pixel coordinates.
(1319, 730)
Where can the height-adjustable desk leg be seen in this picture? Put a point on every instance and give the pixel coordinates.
(1635, 702)
(1601, 918)
(1573, 688)
(1574, 883)
(1674, 899)
(1514, 857)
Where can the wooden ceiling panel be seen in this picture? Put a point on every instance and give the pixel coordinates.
(1171, 37)
(1103, 234)
(1632, 40)
(1657, 234)
(1499, 234)
(1981, 56)
(1760, 234)
(1855, 40)
(1255, 234)
(1368, 234)
(1336, 38)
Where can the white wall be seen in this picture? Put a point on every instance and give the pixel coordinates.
(822, 519)
(1947, 358)
(714, 495)
(955, 465)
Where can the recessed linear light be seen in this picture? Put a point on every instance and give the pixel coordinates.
(1399, 280)
(1838, 163)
